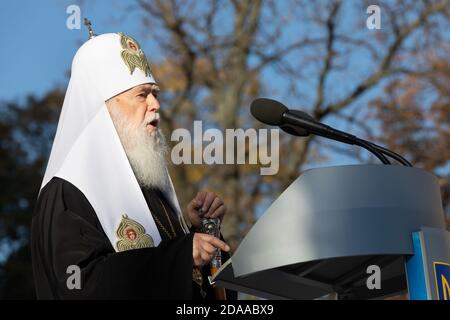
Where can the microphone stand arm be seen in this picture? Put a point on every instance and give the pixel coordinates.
(328, 132)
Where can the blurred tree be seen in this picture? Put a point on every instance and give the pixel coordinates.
(26, 134)
(219, 55)
(389, 85)
(415, 119)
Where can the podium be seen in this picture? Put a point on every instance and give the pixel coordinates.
(325, 230)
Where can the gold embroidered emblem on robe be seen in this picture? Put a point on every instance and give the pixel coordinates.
(131, 235)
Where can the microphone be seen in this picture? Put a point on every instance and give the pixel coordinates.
(271, 112)
(299, 123)
(268, 111)
(275, 113)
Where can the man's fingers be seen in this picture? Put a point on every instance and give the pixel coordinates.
(194, 204)
(219, 244)
(195, 253)
(198, 202)
(208, 201)
(204, 246)
(206, 257)
(200, 196)
(219, 212)
(214, 241)
(198, 262)
(214, 205)
(191, 205)
(210, 249)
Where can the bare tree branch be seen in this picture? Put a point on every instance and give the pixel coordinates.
(329, 55)
(386, 62)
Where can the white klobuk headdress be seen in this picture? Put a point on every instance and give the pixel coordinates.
(87, 150)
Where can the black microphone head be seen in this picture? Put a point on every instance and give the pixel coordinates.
(268, 111)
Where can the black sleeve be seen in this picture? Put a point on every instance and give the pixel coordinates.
(66, 231)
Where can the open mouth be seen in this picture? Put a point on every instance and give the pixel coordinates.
(154, 123)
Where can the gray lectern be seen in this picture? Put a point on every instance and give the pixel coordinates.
(325, 230)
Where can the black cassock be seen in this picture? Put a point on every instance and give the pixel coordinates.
(66, 231)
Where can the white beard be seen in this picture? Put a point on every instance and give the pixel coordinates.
(146, 151)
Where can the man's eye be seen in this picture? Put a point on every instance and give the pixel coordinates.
(143, 95)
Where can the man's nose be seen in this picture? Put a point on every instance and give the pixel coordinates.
(152, 103)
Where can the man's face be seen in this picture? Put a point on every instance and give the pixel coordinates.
(140, 106)
(136, 119)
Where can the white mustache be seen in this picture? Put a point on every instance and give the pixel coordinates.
(152, 117)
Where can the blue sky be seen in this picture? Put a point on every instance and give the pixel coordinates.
(38, 47)
(37, 50)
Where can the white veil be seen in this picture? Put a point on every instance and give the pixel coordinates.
(87, 150)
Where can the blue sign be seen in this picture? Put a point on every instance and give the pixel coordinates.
(442, 277)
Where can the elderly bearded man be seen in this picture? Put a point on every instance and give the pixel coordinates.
(107, 204)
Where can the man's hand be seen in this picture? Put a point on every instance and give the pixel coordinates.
(205, 205)
(204, 247)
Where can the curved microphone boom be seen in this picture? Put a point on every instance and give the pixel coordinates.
(299, 123)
